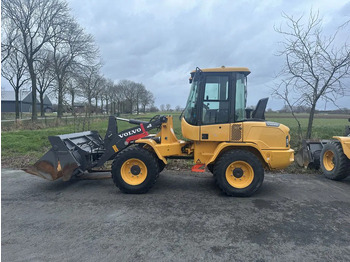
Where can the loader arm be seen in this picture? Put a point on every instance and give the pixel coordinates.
(72, 154)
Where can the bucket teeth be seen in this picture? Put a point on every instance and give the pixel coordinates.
(43, 169)
(47, 170)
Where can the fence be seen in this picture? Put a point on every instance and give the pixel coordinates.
(78, 122)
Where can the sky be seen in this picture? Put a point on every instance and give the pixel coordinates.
(158, 43)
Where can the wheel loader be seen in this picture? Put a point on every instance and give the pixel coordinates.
(335, 157)
(234, 143)
(332, 156)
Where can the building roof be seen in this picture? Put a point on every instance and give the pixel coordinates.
(10, 95)
(24, 96)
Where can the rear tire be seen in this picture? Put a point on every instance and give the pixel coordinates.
(239, 173)
(334, 162)
(135, 170)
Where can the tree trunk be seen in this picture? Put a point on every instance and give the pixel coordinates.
(311, 120)
(60, 99)
(137, 104)
(72, 104)
(42, 113)
(96, 108)
(89, 106)
(144, 109)
(33, 79)
(17, 103)
(107, 106)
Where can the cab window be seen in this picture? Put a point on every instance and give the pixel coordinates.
(215, 102)
(241, 97)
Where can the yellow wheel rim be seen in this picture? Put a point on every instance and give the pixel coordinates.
(133, 171)
(239, 174)
(328, 160)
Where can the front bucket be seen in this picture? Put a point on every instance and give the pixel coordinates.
(309, 154)
(49, 167)
(70, 155)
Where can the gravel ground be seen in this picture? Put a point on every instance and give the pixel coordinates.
(184, 217)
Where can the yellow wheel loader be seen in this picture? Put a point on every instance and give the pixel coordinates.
(236, 144)
(335, 157)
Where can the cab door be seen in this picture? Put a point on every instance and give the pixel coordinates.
(215, 107)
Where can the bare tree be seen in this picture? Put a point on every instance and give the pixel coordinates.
(315, 66)
(99, 83)
(88, 81)
(140, 92)
(37, 22)
(14, 70)
(9, 34)
(106, 94)
(147, 99)
(162, 107)
(71, 49)
(73, 91)
(178, 108)
(128, 89)
(45, 79)
(168, 107)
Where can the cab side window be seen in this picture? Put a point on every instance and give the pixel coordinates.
(215, 102)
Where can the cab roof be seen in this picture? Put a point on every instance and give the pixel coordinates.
(224, 69)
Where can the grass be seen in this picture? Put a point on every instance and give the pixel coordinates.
(23, 147)
(323, 128)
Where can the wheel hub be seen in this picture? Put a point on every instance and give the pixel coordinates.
(238, 172)
(135, 170)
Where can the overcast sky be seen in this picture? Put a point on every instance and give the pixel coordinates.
(159, 42)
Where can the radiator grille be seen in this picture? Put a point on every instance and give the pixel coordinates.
(236, 134)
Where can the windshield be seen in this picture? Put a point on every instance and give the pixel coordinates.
(241, 97)
(190, 113)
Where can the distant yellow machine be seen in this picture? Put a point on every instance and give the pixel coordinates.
(335, 157)
(236, 144)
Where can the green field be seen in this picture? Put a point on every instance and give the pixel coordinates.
(23, 147)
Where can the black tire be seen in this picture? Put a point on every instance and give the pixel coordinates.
(247, 174)
(145, 158)
(161, 165)
(334, 163)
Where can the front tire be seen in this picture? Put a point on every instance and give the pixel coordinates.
(135, 170)
(239, 173)
(334, 162)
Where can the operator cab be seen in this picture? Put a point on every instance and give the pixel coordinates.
(218, 96)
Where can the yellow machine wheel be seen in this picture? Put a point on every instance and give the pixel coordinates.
(135, 170)
(328, 160)
(334, 163)
(239, 173)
